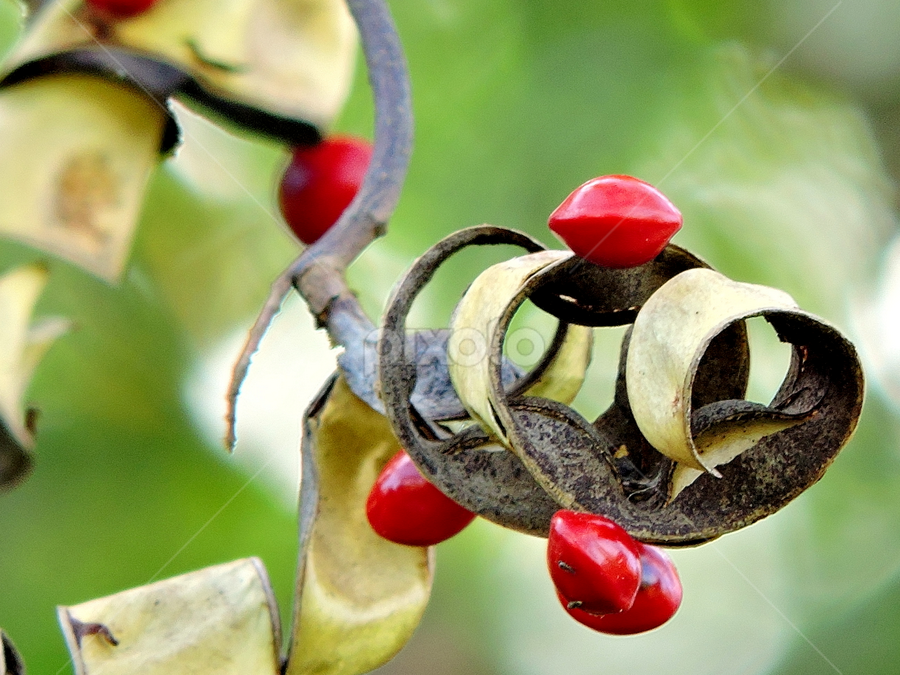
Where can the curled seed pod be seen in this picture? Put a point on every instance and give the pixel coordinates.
(611, 466)
(589, 467)
(466, 465)
(221, 618)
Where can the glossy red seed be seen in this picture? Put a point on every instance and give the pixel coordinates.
(405, 508)
(616, 221)
(320, 182)
(594, 563)
(120, 9)
(657, 599)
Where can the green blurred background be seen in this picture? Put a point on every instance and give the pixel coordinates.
(774, 126)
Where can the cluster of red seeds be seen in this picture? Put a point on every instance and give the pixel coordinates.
(604, 578)
(607, 580)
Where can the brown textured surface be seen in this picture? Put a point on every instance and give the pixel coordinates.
(493, 484)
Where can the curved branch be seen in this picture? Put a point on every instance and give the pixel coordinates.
(318, 273)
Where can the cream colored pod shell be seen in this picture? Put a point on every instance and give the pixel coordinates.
(77, 154)
(476, 340)
(219, 620)
(294, 58)
(670, 336)
(359, 596)
(79, 149)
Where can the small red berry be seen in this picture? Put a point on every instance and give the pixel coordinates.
(320, 182)
(616, 221)
(594, 563)
(657, 599)
(405, 508)
(120, 9)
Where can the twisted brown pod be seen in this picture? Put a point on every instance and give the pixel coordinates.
(734, 461)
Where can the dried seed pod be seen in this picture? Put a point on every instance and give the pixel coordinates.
(282, 69)
(464, 465)
(22, 345)
(84, 150)
(589, 467)
(610, 467)
(488, 297)
(359, 597)
(219, 619)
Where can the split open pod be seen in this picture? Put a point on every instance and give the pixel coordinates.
(84, 105)
(358, 597)
(680, 457)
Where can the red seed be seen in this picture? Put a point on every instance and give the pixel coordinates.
(120, 9)
(320, 182)
(616, 221)
(405, 508)
(594, 563)
(657, 599)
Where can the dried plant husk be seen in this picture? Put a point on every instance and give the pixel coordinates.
(773, 452)
(433, 395)
(10, 660)
(23, 344)
(359, 596)
(84, 150)
(468, 465)
(670, 337)
(133, 72)
(220, 619)
(474, 323)
(761, 456)
(84, 99)
(279, 68)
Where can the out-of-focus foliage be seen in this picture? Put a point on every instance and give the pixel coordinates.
(778, 168)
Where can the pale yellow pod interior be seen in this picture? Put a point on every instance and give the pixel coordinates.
(473, 328)
(294, 58)
(670, 336)
(361, 596)
(78, 152)
(219, 620)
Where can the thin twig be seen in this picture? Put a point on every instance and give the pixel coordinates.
(318, 274)
(280, 289)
